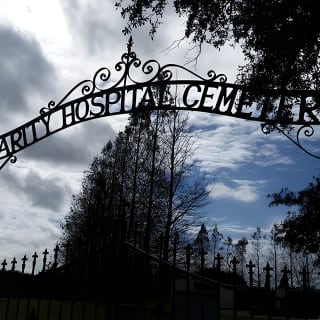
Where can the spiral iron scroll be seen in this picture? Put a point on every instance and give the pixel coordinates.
(129, 61)
(11, 158)
(135, 73)
(306, 131)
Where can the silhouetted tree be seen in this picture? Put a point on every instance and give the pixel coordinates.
(202, 241)
(300, 229)
(91, 204)
(183, 191)
(228, 252)
(279, 39)
(139, 187)
(240, 250)
(257, 251)
(216, 238)
(275, 248)
(201, 246)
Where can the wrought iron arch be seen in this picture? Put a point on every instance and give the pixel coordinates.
(150, 85)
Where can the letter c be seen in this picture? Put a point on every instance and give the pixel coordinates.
(185, 96)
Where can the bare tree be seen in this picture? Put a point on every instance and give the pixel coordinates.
(257, 251)
(184, 193)
(241, 249)
(142, 183)
(216, 238)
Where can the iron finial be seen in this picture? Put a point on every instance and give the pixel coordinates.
(130, 44)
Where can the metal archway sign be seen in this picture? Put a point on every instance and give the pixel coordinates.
(158, 87)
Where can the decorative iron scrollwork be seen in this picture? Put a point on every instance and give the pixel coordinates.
(304, 131)
(152, 84)
(12, 159)
(129, 62)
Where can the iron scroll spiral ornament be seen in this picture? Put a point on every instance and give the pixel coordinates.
(102, 79)
(90, 99)
(306, 131)
(132, 73)
(11, 158)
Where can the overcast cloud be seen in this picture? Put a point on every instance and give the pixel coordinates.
(25, 72)
(47, 47)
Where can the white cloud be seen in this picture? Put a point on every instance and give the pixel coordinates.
(269, 155)
(37, 189)
(242, 190)
(237, 229)
(47, 48)
(24, 233)
(26, 74)
(73, 148)
(228, 144)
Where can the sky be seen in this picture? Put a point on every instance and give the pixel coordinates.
(46, 48)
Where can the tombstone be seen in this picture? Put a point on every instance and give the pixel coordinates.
(24, 259)
(251, 272)
(267, 269)
(284, 282)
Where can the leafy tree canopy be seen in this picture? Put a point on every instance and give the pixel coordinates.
(301, 228)
(279, 38)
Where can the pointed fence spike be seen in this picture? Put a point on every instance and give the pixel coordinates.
(56, 253)
(234, 263)
(24, 259)
(34, 261)
(45, 253)
(250, 266)
(13, 264)
(4, 263)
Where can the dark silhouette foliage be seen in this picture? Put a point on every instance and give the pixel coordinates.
(141, 187)
(301, 229)
(279, 39)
